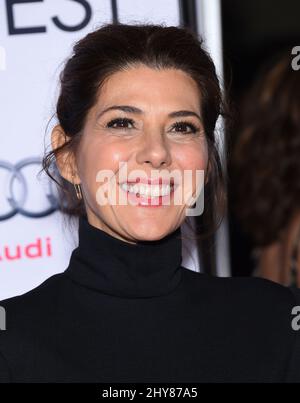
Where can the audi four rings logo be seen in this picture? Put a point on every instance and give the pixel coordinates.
(17, 204)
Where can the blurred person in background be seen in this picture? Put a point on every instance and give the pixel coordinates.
(266, 171)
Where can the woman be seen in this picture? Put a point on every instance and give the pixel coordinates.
(267, 168)
(146, 97)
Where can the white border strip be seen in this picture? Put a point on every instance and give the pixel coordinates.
(209, 26)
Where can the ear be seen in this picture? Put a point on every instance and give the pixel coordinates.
(65, 160)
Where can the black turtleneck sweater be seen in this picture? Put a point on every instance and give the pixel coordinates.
(131, 313)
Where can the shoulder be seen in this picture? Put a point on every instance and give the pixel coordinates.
(260, 315)
(254, 305)
(254, 291)
(29, 318)
(22, 310)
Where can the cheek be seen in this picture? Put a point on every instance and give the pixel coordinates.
(100, 156)
(193, 160)
(193, 157)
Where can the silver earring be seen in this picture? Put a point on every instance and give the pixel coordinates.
(77, 189)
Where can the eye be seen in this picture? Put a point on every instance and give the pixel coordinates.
(119, 123)
(122, 123)
(183, 125)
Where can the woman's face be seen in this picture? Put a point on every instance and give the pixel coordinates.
(144, 137)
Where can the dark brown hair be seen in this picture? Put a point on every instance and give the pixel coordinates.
(266, 158)
(114, 47)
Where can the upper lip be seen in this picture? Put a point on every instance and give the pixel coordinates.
(153, 181)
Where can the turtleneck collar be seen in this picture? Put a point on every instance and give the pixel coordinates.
(113, 266)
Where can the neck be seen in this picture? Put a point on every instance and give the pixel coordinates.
(116, 267)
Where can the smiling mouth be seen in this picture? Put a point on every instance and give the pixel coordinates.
(148, 195)
(145, 190)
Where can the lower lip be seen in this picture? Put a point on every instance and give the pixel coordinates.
(144, 201)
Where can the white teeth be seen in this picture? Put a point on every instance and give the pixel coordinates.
(147, 190)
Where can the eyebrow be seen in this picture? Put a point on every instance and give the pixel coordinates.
(133, 109)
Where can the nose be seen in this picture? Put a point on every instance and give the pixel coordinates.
(154, 150)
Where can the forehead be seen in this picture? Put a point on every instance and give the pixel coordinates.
(145, 85)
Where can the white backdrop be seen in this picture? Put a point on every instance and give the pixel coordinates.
(35, 38)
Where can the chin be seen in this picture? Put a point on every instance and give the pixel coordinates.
(150, 233)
